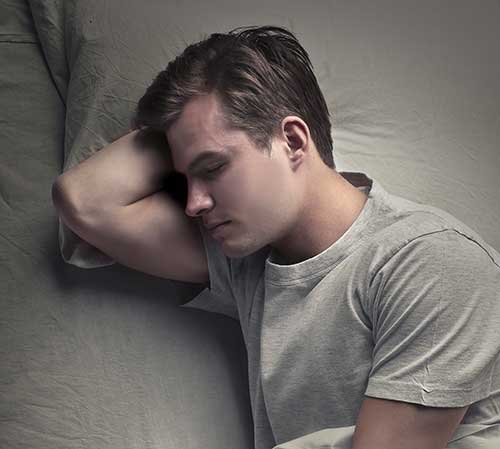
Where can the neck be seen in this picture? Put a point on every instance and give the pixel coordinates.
(333, 204)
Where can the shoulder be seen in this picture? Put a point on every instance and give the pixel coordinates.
(426, 251)
(427, 232)
(435, 271)
(447, 246)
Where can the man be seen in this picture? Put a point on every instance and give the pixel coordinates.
(358, 308)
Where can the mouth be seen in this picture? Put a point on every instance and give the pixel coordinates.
(219, 228)
(220, 224)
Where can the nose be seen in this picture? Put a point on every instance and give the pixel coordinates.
(198, 200)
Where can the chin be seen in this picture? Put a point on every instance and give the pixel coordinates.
(235, 250)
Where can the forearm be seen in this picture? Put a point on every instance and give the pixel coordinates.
(125, 171)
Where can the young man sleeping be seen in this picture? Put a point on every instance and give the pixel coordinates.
(358, 307)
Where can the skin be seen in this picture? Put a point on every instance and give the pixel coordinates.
(273, 201)
(384, 424)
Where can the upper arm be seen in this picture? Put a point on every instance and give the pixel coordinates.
(386, 424)
(152, 235)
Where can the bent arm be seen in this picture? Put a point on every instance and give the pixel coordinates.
(125, 171)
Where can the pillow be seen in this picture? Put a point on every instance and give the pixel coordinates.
(102, 57)
(48, 17)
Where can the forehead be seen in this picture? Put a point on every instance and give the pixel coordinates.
(200, 135)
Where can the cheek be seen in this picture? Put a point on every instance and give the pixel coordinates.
(259, 193)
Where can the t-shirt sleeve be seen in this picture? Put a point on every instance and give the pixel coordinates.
(219, 296)
(435, 308)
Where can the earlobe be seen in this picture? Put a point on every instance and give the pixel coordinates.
(298, 155)
(295, 156)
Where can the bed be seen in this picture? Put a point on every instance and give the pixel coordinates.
(97, 355)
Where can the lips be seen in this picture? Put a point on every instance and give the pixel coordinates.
(212, 227)
(215, 230)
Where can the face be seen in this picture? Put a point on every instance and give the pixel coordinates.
(258, 195)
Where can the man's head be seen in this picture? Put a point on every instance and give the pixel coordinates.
(252, 99)
(259, 74)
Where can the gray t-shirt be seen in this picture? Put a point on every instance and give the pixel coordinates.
(404, 306)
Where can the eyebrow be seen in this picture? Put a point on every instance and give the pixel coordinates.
(205, 156)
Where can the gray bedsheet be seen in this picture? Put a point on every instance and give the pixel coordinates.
(105, 358)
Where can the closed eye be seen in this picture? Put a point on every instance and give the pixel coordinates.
(213, 170)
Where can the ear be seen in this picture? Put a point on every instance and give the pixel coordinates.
(296, 134)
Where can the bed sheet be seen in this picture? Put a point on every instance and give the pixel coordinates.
(104, 357)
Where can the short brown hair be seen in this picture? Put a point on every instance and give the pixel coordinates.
(259, 74)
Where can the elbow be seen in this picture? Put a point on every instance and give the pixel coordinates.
(66, 208)
(58, 194)
(62, 199)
